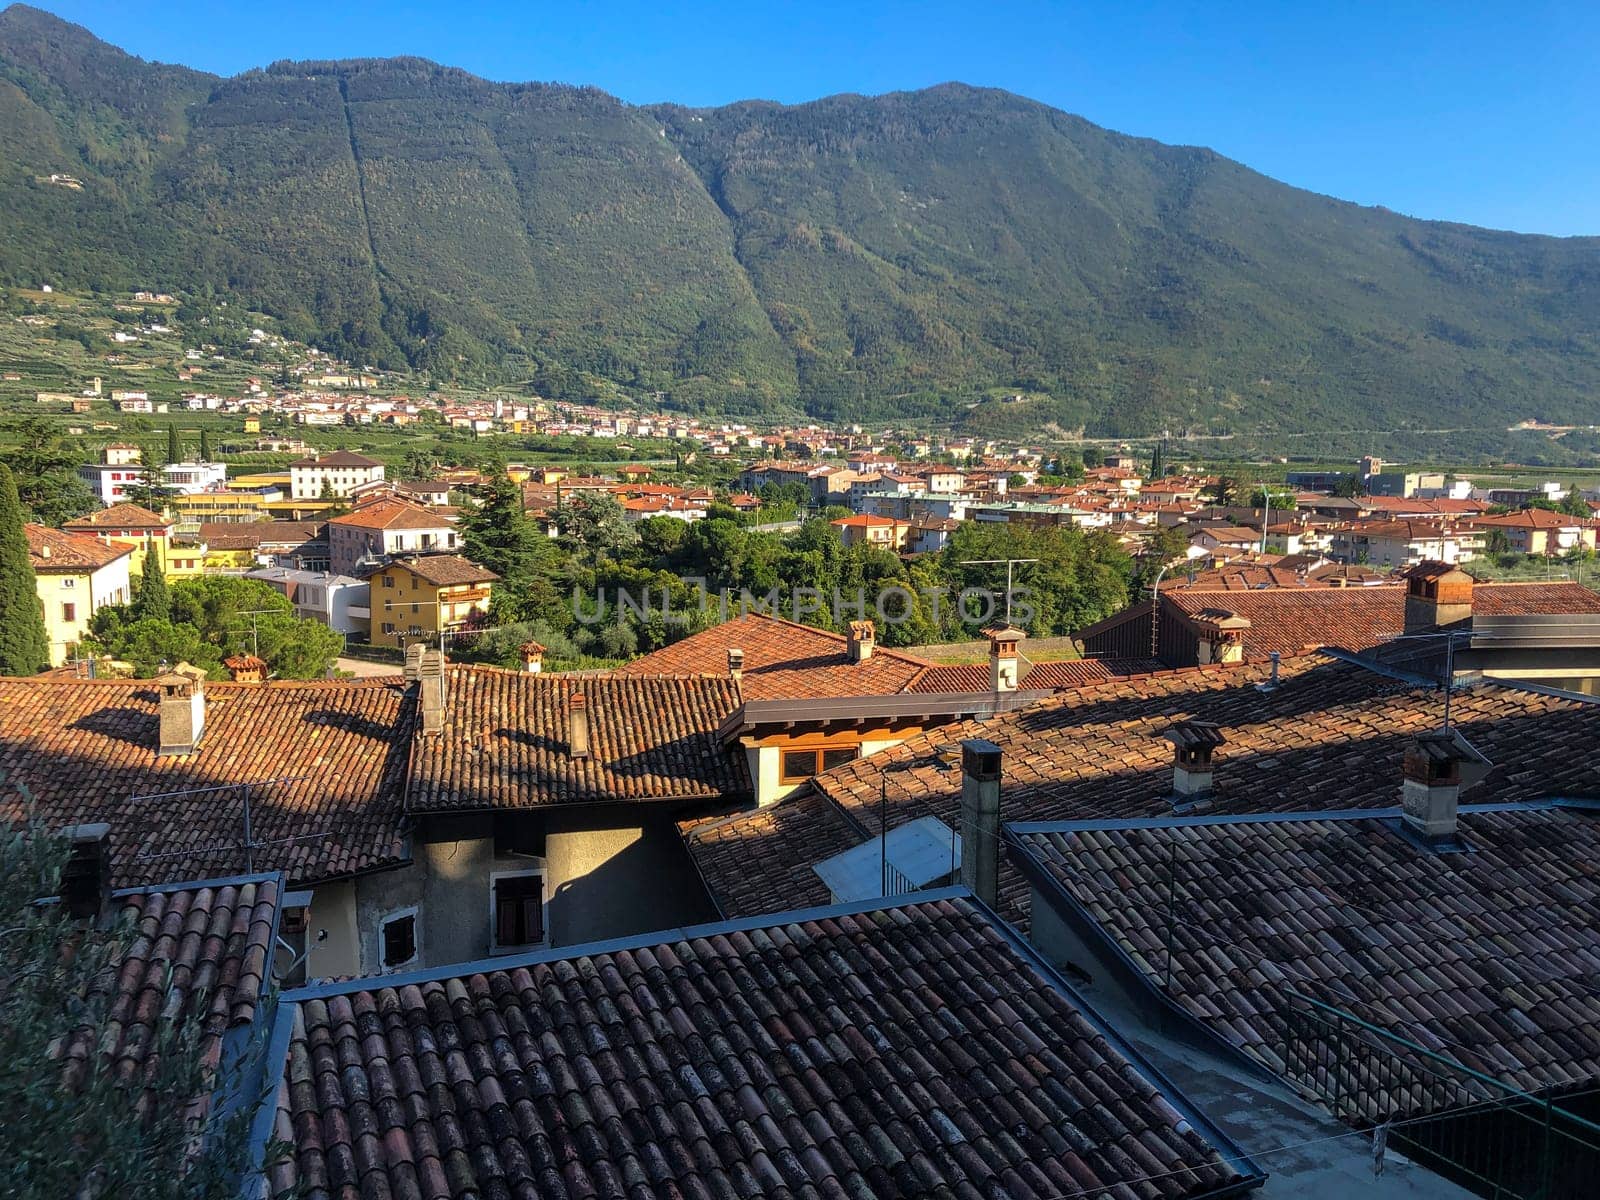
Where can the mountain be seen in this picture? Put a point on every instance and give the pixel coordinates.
(916, 255)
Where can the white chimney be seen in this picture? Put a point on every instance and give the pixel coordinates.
(735, 663)
(1196, 742)
(1438, 766)
(980, 818)
(532, 658)
(183, 709)
(413, 667)
(577, 725)
(430, 672)
(863, 637)
(1221, 636)
(1005, 657)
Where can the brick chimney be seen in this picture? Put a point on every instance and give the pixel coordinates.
(183, 709)
(1437, 768)
(1005, 657)
(735, 663)
(980, 818)
(577, 725)
(532, 657)
(246, 668)
(1221, 636)
(86, 875)
(1195, 743)
(863, 637)
(1437, 595)
(430, 674)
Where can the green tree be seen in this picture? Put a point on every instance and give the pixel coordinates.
(1223, 492)
(1092, 457)
(1158, 466)
(174, 445)
(72, 1131)
(24, 644)
(205, 445)
(45, 466)
(152, 599)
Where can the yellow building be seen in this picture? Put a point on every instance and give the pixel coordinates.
(252, 424)
(133, 528)
(412, 596)
(75, 576)
(190, 511)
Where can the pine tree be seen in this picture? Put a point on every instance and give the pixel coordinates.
(24, 644)
(205, 445)
(174, 446)
(153, 598)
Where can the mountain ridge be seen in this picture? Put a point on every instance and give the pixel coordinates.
(913, 254)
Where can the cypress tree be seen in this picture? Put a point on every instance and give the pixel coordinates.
(24, 644)
(174, 446)
(205, 445)
(153, 598)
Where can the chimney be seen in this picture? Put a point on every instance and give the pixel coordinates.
(532, 658)
(1438, 766)
(980, 819)
(1221, 636)
(430, 671)
(413, 667)
(1195, 742)
(86, 875)
(1005, 657)
(735, 663)
(183, 709)
(577, 725)
(863, 636)
(1437, 596)
(246, 668)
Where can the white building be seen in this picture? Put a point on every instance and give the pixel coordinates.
(338, 601)
(110, 481)
(341, 472)
(188, 478)
(376, 531)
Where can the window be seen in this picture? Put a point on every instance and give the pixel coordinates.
(69, 582)
(69, 612)
(388, 626)
(397, 939)
(800, 765)
(516, 909)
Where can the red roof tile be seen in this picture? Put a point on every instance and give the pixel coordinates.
(54, 552)
(913, 1051)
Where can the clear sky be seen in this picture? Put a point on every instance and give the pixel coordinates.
(1485, 113)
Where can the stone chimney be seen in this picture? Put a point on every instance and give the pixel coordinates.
(1221, 636)
(430, 674)
(413, 667)
(532, 658)
(1005, 657)
(980, 819)
(183, 709)
(86, 875)
(577, 725)
(1437, 595)
(735, 663)
(1438, 767)
(246, 668)
(1195, 742)
(863, 637)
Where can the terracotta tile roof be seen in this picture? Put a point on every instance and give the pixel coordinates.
(445, 570)
(783, 660)
(1528, 518)
(1330, 736)
(251, 535)
(392, 513)
(1054, 675)
(84, 750)
(53, 552)
(1289, 620)
(759, 862)
(118, 516)
(505, 742)
(200, 952)
(913, 1051)
(1488, 957)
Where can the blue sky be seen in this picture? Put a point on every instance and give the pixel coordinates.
(1485, 113)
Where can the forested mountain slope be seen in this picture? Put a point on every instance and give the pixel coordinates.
(857, 257)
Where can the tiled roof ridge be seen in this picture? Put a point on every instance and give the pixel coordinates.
(832, 636)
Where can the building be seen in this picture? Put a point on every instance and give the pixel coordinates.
(1383, 543)
(75, 576)
(188, 478)
(381, 528)
(131, 527)
(110, 482)
(121, 454)
(414, 599)
(884, 532)
(340, 602)
(336, 474)
(1538, 531)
